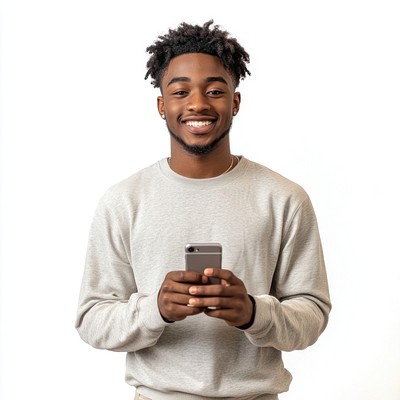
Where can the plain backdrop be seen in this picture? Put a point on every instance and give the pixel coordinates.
(321, 107)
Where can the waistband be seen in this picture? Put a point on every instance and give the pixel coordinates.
(151, 394)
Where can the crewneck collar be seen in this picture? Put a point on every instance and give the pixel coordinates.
(220, 180)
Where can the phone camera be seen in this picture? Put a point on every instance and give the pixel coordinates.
(190, 249)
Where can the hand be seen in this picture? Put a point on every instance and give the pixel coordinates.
(173, 297)
(228, 301)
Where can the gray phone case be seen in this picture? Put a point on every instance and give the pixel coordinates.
(199, 256)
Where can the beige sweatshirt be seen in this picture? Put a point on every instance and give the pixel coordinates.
(269, 233)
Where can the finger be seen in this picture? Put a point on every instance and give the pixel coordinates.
(226, 275)
(176, 312)
(210, 290)
(228, 315)
(233, 311)
(188, 309)
(186, 276)
(231, 316)
(175, 298)
(222, 289)
(214, 302)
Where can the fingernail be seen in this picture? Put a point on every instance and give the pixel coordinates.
(193, 290)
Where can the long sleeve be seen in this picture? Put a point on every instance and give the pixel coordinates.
(296, 312)
(111, 314)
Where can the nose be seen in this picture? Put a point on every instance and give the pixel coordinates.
(197, 102)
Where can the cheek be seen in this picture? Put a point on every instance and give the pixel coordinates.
(226, 111)
(173, 109)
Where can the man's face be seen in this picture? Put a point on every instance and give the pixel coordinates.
(198, 100)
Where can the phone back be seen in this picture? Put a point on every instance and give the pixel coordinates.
(199, 256)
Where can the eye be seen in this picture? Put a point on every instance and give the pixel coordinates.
(215, 92)
(180, 93)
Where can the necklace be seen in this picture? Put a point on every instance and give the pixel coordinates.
(230, 166)
(225, 172)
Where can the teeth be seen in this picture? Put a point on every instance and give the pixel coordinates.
(198, 124)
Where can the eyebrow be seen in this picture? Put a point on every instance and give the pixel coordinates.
(185, 79)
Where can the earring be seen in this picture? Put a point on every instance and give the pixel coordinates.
(234, 112)
(163, 116)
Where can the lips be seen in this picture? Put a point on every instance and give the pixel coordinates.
(198, 123)
(198, 127)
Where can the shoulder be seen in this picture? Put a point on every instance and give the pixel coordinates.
(273, 183)
(281, 197)
(126, 192)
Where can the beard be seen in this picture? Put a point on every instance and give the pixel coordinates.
(199, 150)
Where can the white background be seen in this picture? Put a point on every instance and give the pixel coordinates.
(321, 107)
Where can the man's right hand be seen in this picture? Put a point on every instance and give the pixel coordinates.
(173, 297)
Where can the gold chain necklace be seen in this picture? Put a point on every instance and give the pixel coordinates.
(225, 172)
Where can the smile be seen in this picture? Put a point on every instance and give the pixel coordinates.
(198, 124)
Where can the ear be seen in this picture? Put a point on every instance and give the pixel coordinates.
(236, 103)
(160, 106)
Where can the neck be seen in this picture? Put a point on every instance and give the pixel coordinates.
(202, 167)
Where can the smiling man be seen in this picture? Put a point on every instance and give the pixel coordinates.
(186, 338)
(198, 108)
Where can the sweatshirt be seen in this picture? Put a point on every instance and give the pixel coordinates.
(270, 239)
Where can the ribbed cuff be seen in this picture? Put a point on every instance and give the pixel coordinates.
(253, 316)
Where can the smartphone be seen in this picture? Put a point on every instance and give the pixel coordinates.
(199, 256)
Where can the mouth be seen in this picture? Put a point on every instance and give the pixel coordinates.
(199, 126)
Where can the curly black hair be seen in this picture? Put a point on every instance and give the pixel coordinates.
(197, 39)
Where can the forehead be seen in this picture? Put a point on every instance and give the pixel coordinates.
(195, 66)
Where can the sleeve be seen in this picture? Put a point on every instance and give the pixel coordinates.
(111, 314)
(295, 313)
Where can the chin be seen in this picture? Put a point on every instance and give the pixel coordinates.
(199, 149)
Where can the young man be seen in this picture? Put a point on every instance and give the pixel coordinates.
(186, 338)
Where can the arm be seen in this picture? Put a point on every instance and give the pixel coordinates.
(112, 314)
(296, 312)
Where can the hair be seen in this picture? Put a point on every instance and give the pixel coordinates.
(197, 39)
